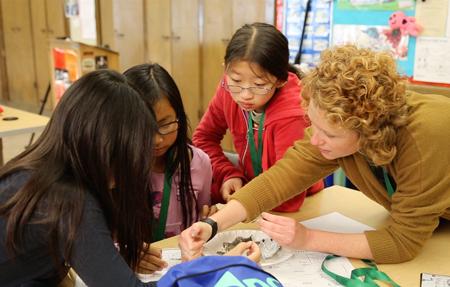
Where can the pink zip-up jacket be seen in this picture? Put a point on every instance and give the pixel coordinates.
(284, 123)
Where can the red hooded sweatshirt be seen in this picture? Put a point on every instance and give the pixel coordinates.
(284, 123)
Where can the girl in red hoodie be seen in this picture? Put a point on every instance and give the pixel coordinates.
(258, 100)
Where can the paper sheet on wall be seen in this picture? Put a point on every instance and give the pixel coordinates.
(434, 280)
(430, 64)
(434, 17)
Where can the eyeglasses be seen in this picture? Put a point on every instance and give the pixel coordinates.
(260, 91)
(168, 128)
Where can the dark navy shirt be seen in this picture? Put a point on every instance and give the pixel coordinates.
(94, 256)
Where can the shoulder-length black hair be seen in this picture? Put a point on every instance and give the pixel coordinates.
(262, 44)
(100, 136)
(155, 83)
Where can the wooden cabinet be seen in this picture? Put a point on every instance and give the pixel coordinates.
(27, 28)
(173, 41)
(20, 68)
(122, 30)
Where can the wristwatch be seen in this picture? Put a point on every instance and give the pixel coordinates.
(213, 225)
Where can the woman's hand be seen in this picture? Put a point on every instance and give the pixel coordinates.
(284, 230)
(192, 239)
(229, 187)
(207, 211)
(249, 249)
(151, 260)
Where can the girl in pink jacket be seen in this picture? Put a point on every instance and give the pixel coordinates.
(258, 100)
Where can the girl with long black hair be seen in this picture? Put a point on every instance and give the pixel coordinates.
(181, 173)
(81, 188)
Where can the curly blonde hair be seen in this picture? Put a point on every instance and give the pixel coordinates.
(361, 90)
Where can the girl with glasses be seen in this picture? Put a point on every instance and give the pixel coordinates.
(258, 101)
(181, 173)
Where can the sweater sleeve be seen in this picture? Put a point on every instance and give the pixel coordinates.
(94, 256)
(209, 134)
(300, 167)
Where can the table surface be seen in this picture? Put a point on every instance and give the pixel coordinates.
(434, 257)
(26, 123)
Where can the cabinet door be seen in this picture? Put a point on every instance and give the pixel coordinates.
(56, 21)
(159, 32)
(20, 67)
(48, 22)
(129, 32)
(186, 55)
(249, 11)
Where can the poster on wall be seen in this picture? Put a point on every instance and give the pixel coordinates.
(307, 26)
(379, 38)
(392, 5)
(429, 65)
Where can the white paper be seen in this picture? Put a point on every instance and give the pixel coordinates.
(433, 17)
(434, 280)
(336, 222)
(172, 256)
(304, 269)
(431, 62)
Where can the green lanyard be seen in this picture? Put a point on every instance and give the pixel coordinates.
(370, 274)
(256, 155)
(387, 182)
(160, 232)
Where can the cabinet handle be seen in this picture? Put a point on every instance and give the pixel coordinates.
(165, 37)
(225, 40)
(176, 37)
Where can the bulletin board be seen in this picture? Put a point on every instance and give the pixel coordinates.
(423, 59)
(365, 22)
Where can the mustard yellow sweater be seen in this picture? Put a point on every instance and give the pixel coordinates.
(421, 170)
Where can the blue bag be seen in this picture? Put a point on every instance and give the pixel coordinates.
(218, 271)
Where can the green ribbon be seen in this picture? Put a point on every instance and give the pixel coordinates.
(256, 155)
(370, 274)
(160, 232)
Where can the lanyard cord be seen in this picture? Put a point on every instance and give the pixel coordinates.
(160, 232)
(256, 155)
(370, 274)
(387, 183)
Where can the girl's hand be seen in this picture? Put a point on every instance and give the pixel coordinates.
(249, 249)
(151, 260)
(284, 230)
(192, 239)
(229, 187)
(207, 211)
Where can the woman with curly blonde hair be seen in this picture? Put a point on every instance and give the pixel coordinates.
(364, 121)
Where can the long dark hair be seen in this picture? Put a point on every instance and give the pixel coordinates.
(262, 44)
(155, 83)
(100, 134)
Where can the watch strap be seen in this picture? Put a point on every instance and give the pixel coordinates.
(213, 225)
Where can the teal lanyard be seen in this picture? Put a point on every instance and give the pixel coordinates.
(256, 155)
(370, 274)
(160, 232)
(387, 183)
